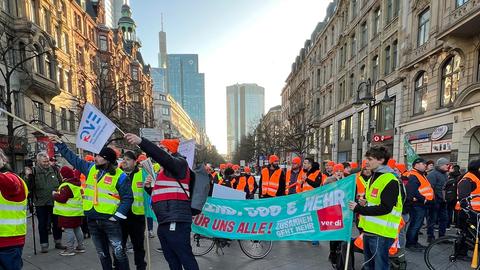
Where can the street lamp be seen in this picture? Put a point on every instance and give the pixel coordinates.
(369, 98)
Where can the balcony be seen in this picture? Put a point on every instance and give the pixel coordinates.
(37, 84)
(462, 22)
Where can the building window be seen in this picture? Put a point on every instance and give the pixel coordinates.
(450, 80)
(387, 60)
(65, 43)
(389, 11)
(459, 3)
(360, 136)
(364, 34)
(53, 116)
(396, 8)
(58, 36)
(354, 8)
(420, 102)
(318, 77)
(38, 63)
(383, 115)
(68, 76)
(332, 39)
(32, 15)
(103, 43)
(394, 54)
(375, 69)
(330, 100)
(317, 106)
(341, 92)
(345, 129)
(423, 27)
(362, 73)
(71, 120)
(38, 111)
(135, 73)
(352, 85)
(353, 45)
(60, 78)
(63, 119)
(376, 21)
(165, 111)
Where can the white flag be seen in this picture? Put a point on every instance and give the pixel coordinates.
(95, 129)
(187, 149)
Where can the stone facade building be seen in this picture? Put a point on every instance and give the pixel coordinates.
(424, 53)
(57, 48)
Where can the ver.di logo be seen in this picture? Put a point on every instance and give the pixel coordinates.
(92, 122)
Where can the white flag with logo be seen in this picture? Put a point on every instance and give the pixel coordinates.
(95, 129)
(187, 149)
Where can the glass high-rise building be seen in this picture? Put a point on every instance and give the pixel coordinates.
(186, 85)
(245, 107)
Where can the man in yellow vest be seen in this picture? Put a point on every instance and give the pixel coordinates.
(419, 194)
(107, 200)
(134, 225)
(272, 179)
(381, 211)
(13, 208)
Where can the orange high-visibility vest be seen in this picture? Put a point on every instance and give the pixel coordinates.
(242, 182)
(393, 248)
(298, 187)
(271, 183)
(324, 178)
(475, 202)
(312, 176)
(425, 188)
(361, 185)
(83, 181)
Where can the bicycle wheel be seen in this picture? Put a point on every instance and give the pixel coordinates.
(201, 245)
(255, 249)
(447, 253)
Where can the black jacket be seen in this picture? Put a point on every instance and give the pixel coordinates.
(174, 166)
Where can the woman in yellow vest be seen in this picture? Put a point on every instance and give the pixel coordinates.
(13, 207)
(381, 211)
(68, 206)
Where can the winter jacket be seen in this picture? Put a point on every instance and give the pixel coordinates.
(62, 196)
(174, 166)
(12, 189)
(123, 186)
(437, 179)
(41, 183)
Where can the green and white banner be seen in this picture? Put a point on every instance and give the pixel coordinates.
(321, 214)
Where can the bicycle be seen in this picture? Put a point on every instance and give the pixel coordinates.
(254, 249)
(454, 251)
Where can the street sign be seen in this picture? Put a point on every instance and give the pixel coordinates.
(151, 134)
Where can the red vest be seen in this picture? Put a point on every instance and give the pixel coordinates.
(167, 188)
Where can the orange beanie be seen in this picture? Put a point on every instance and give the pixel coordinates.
(391, 163)
(364, 163)
(296, 160)
(171, 144)
(141, 158)
(229, 165)
(272, 159)
(236, 167)
(223, 166)
(353, 165)
(331, 163)
(338, 167)
(247, 170)
(89, 158)
(401, 167)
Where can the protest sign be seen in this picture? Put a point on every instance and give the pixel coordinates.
(222, 192)
(187, 149)
(320, 214)
(95, 129)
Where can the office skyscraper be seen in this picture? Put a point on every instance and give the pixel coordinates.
(245, 107)
(113, 12)
(187, 86)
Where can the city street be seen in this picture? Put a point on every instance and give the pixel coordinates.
(284, 255)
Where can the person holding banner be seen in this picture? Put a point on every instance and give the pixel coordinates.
(294, 176)
(13, 206)
(272, 179)
(107, 199)
(171, 201)
(134, 225)
(381, 211)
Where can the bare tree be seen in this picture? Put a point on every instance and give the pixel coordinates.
(18, 54)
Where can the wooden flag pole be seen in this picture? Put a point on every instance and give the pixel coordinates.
(25, 122)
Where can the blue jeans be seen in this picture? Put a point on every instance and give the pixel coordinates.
(417, 214)
(107, 233)
(11, 258)
(375, 252)
(176, 245)
(438, 212)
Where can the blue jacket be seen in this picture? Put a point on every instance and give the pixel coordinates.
(123, 185)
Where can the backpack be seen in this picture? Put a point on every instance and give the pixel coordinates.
(199, 187)
(450, 189)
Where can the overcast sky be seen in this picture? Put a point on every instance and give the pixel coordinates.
(238, 41)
